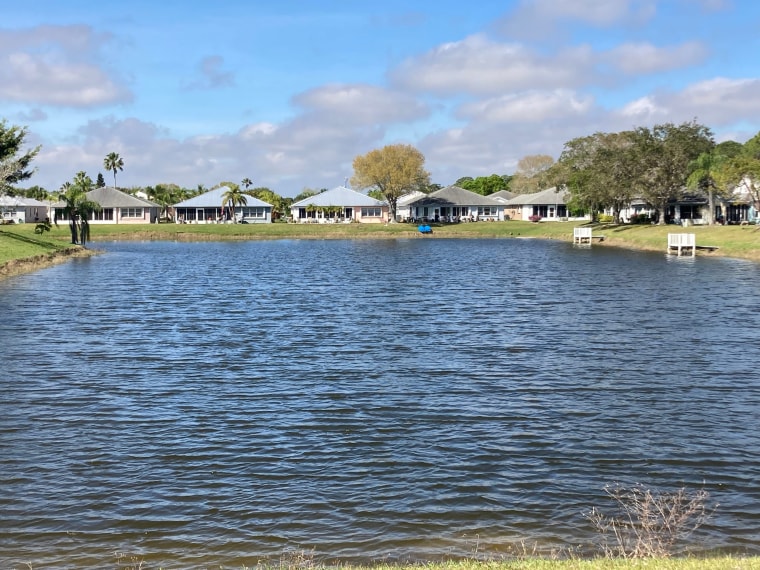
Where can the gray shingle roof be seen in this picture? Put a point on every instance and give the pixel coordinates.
(340, 196)
(502, 195)
(109, 197)
(213, 199)
(549, 196)
(456, 196)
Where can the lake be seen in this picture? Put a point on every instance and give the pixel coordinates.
(199, 404)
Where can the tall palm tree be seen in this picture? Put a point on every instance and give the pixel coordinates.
(233, 197)
(113, 162)
(246, 182)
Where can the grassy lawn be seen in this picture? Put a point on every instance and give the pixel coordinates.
(20, 242)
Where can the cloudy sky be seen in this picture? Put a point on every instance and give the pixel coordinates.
(287, 93)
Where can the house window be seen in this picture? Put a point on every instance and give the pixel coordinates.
(104, 215)
(132, 212)
(486, 211)
(254, 213)
(372, 212)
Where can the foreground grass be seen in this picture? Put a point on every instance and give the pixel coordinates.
(18, 242)
(521, 563)
(725, 562)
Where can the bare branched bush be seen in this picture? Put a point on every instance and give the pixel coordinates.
(648, 523)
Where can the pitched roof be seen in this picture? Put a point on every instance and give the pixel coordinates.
(454, 195)
(339, 196)
(110, 197)
(549, 196)
(502, 195)
(409, 198)
(16, 201)
(213, 199)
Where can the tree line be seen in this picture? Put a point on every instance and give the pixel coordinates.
(601, 171)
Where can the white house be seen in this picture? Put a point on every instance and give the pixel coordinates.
(453, 203)
(340, 204)
(208, 208)
(18, 210)
(546, 205)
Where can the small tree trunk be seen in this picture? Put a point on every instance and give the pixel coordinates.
(710, 207)
(74, 233)
(661, 209)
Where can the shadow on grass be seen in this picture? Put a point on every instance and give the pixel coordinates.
(30, 240)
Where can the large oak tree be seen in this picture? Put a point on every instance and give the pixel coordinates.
(394, 170)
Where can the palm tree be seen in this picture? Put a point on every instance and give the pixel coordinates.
(233, 197)
(113, 162)
(78, 208)
(246, 182)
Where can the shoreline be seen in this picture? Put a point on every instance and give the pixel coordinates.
(635, 238)
(33, 263)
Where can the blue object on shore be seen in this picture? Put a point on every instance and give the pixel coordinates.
(425, 229)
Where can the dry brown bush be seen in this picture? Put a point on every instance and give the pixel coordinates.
(649, 523)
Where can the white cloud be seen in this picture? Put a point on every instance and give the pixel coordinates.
(480, 66)
(644, 110)
(528, 107)
(57, 65)
(309, 150)
(642, 58)
(714, 102)
(359, 104)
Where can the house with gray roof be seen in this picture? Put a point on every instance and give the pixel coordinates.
(18, 209)
(547, 205)
(116, 207)
(452, 203)
(209, 208)
(340, 204)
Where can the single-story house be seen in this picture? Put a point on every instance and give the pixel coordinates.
(18, 210)
(692, 208)
(116, 207)
(402, 204)
(208, 208)
(453, 203)
(546, 205)
(340, 204)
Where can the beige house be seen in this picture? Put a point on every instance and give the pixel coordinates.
(116, 207)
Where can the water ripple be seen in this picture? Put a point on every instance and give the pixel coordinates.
(215, 403)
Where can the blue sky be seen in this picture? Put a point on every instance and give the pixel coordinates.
(288, 93)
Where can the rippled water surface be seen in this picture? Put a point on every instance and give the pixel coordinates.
(198, 404)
